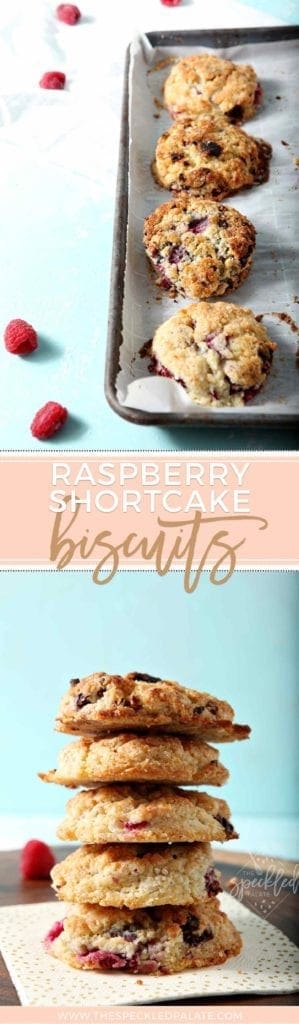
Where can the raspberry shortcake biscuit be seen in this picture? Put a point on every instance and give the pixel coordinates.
(199, 248)
(133, 875)
(130, 757)
(217, 351)
(210, 158)
(233, 88)
(145, 814)
(158, 940)
(141, 702)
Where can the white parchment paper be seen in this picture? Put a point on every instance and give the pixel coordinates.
(268, 963)
(272, 285)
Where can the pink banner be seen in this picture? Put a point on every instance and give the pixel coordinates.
(162, 511)
(225, 1014)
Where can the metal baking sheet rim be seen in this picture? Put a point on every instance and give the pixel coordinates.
(215, 38)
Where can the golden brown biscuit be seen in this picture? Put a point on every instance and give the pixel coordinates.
(140, 702)
(129, 757)
(233, 88)
(210, 158)
(133, 875)
(198, 248)
(152, 941)
(217, 351)
(145, 814)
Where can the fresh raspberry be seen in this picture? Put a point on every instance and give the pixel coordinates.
(52, 80)
(68, 13)
(48, 419)
(36, 860)
(20, 338)
(170, 3)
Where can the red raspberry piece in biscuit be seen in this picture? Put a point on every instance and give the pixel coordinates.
(20, 338)
(48, 420)
(170, 3)
(36, 860)
(52, 80)
(68, 13)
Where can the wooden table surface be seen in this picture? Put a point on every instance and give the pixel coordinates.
(254, 884)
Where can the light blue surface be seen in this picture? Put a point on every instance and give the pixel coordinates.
(238, 641)
(288, 11)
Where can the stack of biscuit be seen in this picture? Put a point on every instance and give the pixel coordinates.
(142, 889)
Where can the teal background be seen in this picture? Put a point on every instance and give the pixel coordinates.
(288, 11)
(238, 641)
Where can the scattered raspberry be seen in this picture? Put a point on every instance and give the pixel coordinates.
(68, 13)
(170, 3)
(48, 420)
(52, 80)
(36, 860)
(20, 338)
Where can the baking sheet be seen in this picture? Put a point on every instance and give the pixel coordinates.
(269, 963)
(273, 281)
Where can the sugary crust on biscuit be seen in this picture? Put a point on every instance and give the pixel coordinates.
(133, 875)
(194, 80)
(136, 702)
(197, 247)
(157, 940)
(210, 158)
(145, 814)
(129, 757)
(218, 351)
